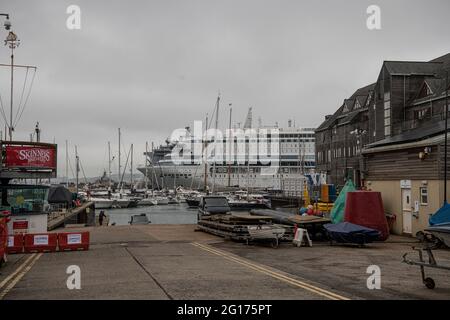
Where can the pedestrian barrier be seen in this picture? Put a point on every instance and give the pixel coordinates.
(15, 244)
(41, 242)
(73, 241)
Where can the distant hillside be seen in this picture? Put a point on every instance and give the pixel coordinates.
(136, 176)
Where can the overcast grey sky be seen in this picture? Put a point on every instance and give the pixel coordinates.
(152, 66)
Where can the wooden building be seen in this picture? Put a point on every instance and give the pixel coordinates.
(340, 137)
(394, 144)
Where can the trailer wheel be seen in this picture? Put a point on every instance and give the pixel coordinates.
(429, 283)
(274, 243)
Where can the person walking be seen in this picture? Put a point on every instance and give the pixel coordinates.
(101, 217)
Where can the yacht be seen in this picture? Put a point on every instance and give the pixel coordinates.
(102, 203)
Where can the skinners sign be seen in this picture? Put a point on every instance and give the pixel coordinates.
(30, 156)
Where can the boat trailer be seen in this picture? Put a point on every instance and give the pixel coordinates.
(431, 263)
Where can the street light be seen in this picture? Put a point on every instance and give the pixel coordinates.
(12, 42)
(7, 23)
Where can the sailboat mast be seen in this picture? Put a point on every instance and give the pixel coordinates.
(205, 180)
(131, 168)
(118, 177)
(146, 167)
(77, 168)
(229, 149)
(67, 164)
(215, 142)
(109, 164)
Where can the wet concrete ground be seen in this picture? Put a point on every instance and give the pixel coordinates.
(176, 262)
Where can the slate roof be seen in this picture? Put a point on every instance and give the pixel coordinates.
(427, 130)
(360, 94)
(410, 67)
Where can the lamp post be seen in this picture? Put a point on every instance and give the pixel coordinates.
(12, 42)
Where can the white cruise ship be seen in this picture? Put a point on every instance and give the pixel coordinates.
(285, 169)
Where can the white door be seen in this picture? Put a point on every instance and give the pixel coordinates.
(407, 210)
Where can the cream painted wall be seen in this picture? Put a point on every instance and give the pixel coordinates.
(36, 223)
(392, 201)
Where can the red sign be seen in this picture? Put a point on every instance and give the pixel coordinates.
(30, 156)
(21, 224)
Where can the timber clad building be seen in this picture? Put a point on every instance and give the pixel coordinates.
(388, 137)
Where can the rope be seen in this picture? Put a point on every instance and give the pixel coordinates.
(82, 170)
(26, 100)
(3, 111)
(21, 96)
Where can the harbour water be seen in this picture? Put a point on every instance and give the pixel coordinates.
(163, 214)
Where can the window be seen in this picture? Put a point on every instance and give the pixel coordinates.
(424, 196)
(387, 114)
(24, 199)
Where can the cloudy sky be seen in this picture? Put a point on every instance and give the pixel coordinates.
(149, 67)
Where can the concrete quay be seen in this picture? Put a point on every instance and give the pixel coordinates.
(178, 262)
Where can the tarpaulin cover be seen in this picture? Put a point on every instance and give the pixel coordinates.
(59, 194)
(441, 216)
(337, 213)
(365, 208)
(346, 232)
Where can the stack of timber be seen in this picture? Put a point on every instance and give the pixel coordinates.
(235, 225)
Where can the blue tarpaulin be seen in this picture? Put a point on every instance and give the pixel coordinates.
(441, 216)
(346, 232)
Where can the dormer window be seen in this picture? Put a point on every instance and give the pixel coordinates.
(369, 98)
(425, 91)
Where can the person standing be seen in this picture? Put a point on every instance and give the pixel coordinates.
(101, 217)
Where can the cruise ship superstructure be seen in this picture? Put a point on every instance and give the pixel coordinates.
(289, 160)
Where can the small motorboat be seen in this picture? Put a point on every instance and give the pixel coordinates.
(162, 200)
(121, 203)
(139, 219)
(147, 202)
(101, 203)
(244, 205)
(441, 231)
(346, 232)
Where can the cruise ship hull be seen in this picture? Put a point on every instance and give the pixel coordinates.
(192, 176)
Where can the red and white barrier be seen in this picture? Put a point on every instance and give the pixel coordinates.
(15, 244)
(47, 242)
(42, 242)
(73, 241)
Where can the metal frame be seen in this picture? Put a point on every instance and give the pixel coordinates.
(432, 263)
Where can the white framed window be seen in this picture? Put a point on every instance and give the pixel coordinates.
(424, 196)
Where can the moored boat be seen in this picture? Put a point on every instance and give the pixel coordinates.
(101, 203)
(442, 232)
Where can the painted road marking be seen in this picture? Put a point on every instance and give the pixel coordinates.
(273, 274)
(6, 280)
(18, 274)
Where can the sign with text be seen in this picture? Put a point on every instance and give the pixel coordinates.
(30, 157)
(41, 240)
(20, 225)
(74, 238)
